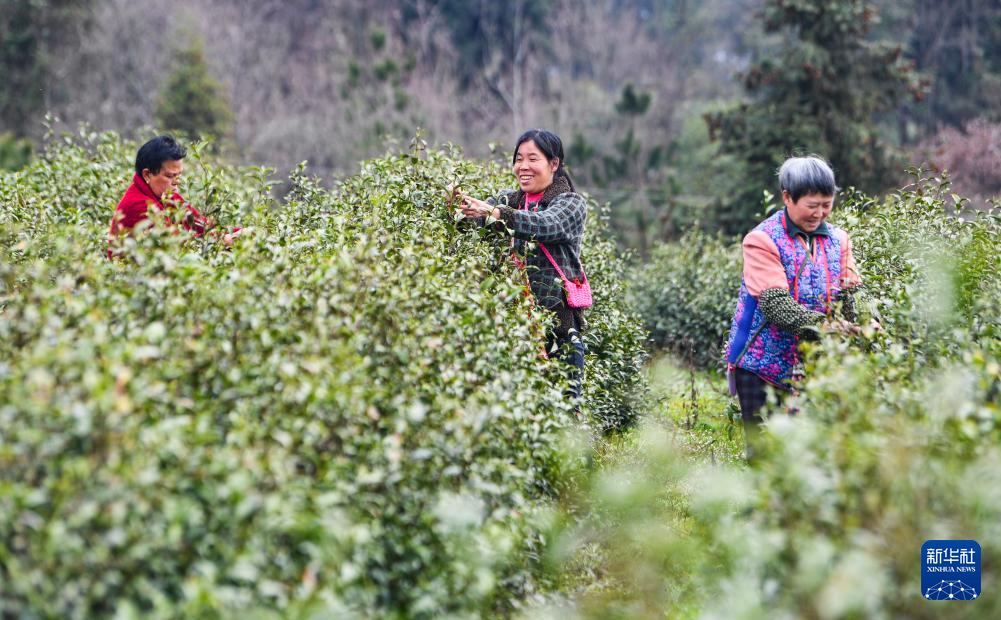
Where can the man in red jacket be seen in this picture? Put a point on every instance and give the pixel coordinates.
(159, 164)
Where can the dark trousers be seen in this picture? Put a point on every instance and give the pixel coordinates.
(564, 342)
(752, 392)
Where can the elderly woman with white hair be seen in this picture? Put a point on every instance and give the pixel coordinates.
(796, 265)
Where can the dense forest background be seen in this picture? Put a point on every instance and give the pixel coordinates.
(673, 111)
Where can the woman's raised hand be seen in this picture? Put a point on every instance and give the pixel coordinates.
(473, 207)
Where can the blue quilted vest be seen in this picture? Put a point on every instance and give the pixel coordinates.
(814, 281)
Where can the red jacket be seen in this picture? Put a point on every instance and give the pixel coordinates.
(132, 209)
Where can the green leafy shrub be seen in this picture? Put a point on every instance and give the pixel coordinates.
(14, 152)
(614, 391)
(344, 414)
(192, 101)
(897, 441)
(686, 295)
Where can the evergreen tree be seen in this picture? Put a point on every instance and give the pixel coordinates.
(192, 101)
(485, 33)
(626, 171)
(32, 34)
(818, 92)
(958, 44)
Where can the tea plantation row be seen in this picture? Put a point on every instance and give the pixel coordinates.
(343, 415)
(896, 441)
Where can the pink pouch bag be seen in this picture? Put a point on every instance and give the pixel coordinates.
(578, 293)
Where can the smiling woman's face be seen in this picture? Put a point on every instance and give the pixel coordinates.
(534, 171)
(809, 211)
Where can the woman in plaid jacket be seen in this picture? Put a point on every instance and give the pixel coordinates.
(545, 209)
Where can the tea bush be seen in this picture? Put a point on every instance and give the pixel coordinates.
(897, 441)
(14, 152)
(686, 295)
(343, 415)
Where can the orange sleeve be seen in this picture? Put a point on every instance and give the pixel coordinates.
(849, 272)
(762, 266)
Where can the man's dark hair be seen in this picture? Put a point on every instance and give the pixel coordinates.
(158, 150)
(550, 145)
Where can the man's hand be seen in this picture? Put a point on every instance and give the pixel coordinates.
(229, 237)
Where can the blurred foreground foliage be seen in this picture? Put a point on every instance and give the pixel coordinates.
(344, 415)
(897, 441)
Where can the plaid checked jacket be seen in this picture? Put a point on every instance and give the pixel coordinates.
(559, 224)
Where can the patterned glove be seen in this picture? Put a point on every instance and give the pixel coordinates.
(782, 310)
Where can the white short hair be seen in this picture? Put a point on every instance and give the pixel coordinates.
(802, 176)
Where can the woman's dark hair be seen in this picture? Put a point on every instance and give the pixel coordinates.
(158, 150)
(550, 145)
